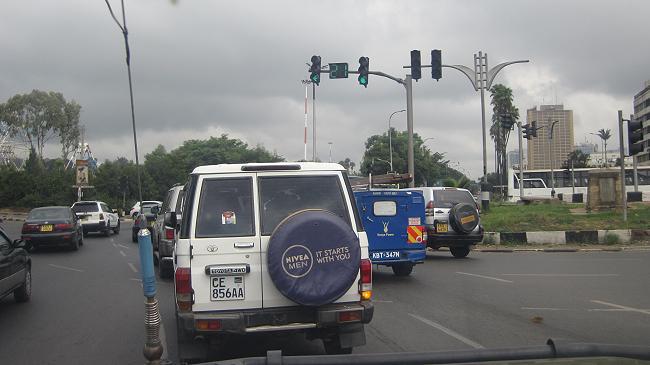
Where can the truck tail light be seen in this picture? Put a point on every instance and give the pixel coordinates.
(365, 283)
(169, 233)
(349, 316)
(183, 283)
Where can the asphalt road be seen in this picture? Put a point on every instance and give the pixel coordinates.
(87, 306)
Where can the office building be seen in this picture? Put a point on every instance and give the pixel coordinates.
(642, 114)
(541, 148)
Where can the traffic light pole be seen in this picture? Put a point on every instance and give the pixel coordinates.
(521, 163)
(409, 128)
(622, 156)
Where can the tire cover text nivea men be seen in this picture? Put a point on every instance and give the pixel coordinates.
(313, 257)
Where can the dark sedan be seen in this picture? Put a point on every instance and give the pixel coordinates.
(149, 212)
(52, 226)
(15, 269)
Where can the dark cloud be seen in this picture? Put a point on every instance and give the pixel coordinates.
(206, 68)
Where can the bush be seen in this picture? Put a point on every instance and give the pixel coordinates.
(611, 239)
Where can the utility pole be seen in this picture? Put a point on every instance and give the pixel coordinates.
(622, 156)
(552, 155)
(409, 128)
(521, 163)
(390, 139)
(481, 78)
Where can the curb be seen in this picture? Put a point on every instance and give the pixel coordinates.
(561, 249)
(568, 237)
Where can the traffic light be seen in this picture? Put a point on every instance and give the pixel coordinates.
(436, 64)
(364, 64)
(315, 70)
(416, 65)
(533, 128)
(634, 135)
(526, 130)
(506, 121)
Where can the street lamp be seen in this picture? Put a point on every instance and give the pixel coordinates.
(481, 79)
(390, 139)
(330, 143)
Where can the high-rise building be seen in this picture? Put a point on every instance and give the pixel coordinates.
(642, 114)
(540, 147)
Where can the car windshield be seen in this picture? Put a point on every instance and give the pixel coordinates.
(449, 198)
(85, 207)
(49, 213)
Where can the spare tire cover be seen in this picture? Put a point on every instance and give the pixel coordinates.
(313, 257)
(463, 217)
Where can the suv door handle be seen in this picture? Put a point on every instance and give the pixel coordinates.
(244, 244)
(439, 211)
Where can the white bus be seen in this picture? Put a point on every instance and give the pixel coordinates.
(537, 183)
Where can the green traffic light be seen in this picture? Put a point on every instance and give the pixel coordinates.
(363, 80)
(315, 78)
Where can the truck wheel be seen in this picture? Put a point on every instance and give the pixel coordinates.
(403, 269)
(459, 252)
(117, 229)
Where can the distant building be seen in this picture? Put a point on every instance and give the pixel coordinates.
(587, 148)
(513, 158)
(539, 148)
(596, 159)
(642, 113)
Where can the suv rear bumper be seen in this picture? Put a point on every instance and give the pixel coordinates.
(275, 319)
(436, 240)
(93, 227)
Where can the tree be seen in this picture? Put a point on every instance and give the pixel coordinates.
(38, 116)
(502, 104)
(463, 182)
(431, 167)
(604, 134)
(348, 164)
(579, 159)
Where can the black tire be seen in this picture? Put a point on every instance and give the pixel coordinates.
(74, 245)
(107, 231)
(134, 237)
(402, 269)
(80, 237)
(24, 292)
(463, 218)
(165, 272)
(459, 252)
(333, 347)
(116, 230)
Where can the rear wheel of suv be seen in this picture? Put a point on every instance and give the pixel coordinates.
(459, 252)
(402, 269)
(117, 229)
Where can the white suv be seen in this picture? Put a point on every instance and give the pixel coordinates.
(274, 248)
(96, 217)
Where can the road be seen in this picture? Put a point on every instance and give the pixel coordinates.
(87, 306)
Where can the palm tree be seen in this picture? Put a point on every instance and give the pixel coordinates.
(462, 182)
(502, 103)
(604, 135)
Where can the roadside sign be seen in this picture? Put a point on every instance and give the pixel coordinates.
(82, 172)
(338, 70)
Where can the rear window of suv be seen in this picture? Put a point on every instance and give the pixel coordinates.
(280, 196)
(449, 198)
(85, 207)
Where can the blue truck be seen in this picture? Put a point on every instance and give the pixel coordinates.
(394, 222)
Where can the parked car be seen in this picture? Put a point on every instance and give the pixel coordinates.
(15, 268)
(394, 223)
(96, 216)
(135, 210)
(52, 226)
(149, 212)
(452, 219)
(164, 237)
(274, 248)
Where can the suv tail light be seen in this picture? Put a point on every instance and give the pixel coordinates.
(428, 211)
(169, 233)
(183, 281)
(365, 283)
(27, 227)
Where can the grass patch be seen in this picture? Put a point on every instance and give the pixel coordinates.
(611, 239)
(557, 217)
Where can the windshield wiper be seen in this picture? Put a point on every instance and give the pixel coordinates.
(552, 350)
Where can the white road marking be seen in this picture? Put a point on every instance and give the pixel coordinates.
(566, 275)
(622, 308)
(132, 267)
(544, 309)
(66, 268)
(448, 331)
(121, 245)
(484, 277)
(122, 253)
(134, 279)
(382, 301)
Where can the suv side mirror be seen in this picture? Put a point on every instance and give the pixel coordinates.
(155, 209)
(170, 219)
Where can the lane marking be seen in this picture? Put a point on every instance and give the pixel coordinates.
(565, 275)
(622, 307)
(122, 253)
(544, 309)
(132, 267)
(66, 268)
(134, 279)
(484, 277)
(121, 245)
(382, 301)
(448, 331)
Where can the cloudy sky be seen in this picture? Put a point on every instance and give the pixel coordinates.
(202, 68)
